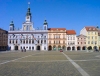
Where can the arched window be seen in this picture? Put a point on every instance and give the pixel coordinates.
(44, 27)
(27, 28)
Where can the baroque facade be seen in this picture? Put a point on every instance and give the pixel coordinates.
(57, 38)
(71, 40)
(92, 37)
(28, 37)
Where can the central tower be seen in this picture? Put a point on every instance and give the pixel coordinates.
(28, 25)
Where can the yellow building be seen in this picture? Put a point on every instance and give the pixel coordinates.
(92, 37)
(57, 38)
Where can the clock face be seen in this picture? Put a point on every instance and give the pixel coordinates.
(27, 17)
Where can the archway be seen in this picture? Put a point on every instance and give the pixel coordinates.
(64, 47)
(78, 48)
(73, 48)
(99, 47)
(54, 47)
(84, 48)
(89, 48)
(50, 47)
(59, 47)
(16, 47)
(38, 47)
(95, 47)
(68, 48)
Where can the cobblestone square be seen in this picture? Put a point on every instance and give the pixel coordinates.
(51, 63)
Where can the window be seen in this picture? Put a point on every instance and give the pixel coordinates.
(44, 27)
(68, 38)
(44, 41)
(88, 37)
(59, 42)
(32, 41)
(32, 48)
(71, 38)
(10, 41)
(38, 41)
(92, 37)
(91, 42)
(38, 36)
(16, 41)
(78, 42)
(95, 37)
(44, 48)
(84, 42)
(88, 33)
(24, 41)
(78, 38)
(88, 42)
(44, 36)
(27, 28)
(81, 42)
(13, 41)
(41, 41)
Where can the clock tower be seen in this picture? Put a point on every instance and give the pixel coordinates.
(28, 14)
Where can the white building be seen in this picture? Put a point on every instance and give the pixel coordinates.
(71, 40)
(28, 37)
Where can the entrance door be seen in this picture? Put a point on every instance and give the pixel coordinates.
(38, 47)
(16, 47)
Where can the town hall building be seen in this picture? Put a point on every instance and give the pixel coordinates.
(28, 37)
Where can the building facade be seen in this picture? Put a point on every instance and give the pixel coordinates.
(81, 42)
(3, 40)
(28, 37)
(71, 40)
(92, 37)
(57, 39)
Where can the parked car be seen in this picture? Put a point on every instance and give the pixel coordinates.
(61, 50)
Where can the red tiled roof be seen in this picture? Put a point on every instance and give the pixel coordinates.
(70, 32)
(90, 28)
(57, 28)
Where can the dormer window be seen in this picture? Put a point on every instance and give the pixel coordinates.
(93, 28)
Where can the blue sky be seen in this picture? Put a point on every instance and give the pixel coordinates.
(69, 14)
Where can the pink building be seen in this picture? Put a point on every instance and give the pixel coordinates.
(81, 42)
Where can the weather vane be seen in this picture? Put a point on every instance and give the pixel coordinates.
(28, 4)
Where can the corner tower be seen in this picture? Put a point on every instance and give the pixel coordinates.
(11, 27)
(45, 25)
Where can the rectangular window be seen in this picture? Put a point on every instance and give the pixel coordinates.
(88, 42)
(32, 41)
(78, 42)
(88, 37)
(44, 41)
(95, 37)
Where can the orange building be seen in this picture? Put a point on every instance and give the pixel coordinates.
(57, 38)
